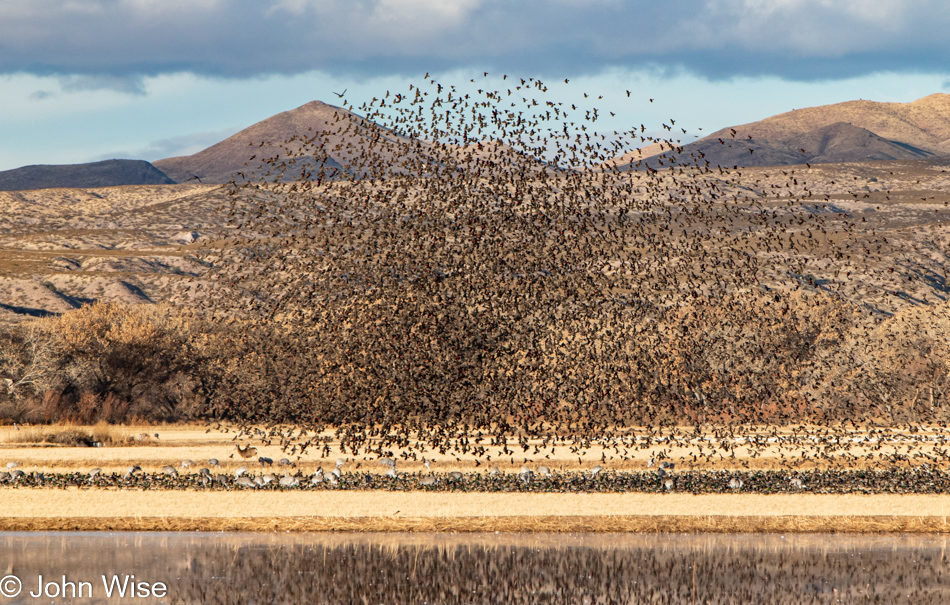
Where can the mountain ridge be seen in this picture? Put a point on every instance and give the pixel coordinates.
(107, 173)
(238, 153)
(842, 132)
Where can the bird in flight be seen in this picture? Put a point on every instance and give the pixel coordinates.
(340, 94)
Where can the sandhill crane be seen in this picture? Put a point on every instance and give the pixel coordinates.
(247, 451)
(526, 475)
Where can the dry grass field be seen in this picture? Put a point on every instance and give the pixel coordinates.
(28, 509)
(759, 448)
(91, 508)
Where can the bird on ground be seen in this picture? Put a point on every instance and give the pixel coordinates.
(247, 451)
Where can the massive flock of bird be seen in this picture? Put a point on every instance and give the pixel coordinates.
(468, 267)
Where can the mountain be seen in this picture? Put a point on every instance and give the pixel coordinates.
(853, 131)
(242, 152)
(107, 173)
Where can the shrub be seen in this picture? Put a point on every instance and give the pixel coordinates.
(104, 361)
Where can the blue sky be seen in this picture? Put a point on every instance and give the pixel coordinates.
(82, 80)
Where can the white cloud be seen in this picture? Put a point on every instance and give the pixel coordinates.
(369, 38)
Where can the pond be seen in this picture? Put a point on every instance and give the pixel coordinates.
(472, 568)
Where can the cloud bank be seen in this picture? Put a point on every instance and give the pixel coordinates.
(114, 43)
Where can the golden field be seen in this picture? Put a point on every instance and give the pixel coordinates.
(367, 510)
(28, 509)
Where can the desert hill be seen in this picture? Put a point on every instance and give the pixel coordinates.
(243, 153)
(854, 131)
(108, 173)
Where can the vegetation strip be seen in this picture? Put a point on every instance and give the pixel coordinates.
(892, 481)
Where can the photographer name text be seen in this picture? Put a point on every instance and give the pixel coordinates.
(117, 585)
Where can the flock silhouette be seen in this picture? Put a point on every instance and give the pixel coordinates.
(471, 268)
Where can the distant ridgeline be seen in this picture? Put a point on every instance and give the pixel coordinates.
(853, 131)
(108, 173)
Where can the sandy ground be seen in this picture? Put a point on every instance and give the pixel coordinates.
(35, 509)
(127, 503)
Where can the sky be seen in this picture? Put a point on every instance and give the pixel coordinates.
(86, 80)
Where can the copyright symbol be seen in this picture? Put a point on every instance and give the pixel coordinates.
(10, 586)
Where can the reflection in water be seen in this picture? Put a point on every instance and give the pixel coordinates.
(479, 568)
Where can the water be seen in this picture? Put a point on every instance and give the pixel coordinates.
(474, 568)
